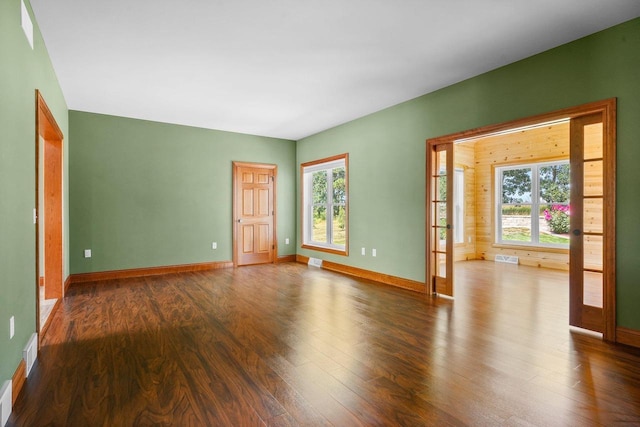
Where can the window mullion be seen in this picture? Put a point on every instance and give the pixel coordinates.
(535, 204)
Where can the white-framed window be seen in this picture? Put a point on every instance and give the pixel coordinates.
(532, 204)
(325, 220)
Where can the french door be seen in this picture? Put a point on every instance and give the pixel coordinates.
(588, 245)
(440, 222)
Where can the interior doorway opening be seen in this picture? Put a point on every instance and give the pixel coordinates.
(539, 192)
(48, 216)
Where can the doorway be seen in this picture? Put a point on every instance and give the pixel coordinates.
(592, 220)
(48, 216)
(254, 214)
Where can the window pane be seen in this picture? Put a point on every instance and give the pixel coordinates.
(441, 187)
(516, 223)
(592, 288)
(593, 250)
(339, 236)
(339, 187)
(593, 178)
(319, 187)
(320, 224)
(555, 183)
(593, 141)
(593, 215)
(554, 224)
(516, 186)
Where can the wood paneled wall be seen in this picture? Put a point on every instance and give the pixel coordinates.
(533, 145)
(465, 159)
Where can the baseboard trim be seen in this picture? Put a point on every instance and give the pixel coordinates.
(286, 258)
(17, 382)
(148, 271)
(67, 282)
(628, 336)
(361, 273)
(43, 328)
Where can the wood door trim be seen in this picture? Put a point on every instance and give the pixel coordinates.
(47, 128)
(607, 108)
(236, 208)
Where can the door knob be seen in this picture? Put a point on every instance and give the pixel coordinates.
(448, 226)
(576, 232)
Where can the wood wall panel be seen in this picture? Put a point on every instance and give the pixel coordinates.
(545, 143)
(464, 158)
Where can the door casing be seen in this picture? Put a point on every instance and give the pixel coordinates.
(50, 213)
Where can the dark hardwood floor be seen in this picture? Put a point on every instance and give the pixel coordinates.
(291, 345)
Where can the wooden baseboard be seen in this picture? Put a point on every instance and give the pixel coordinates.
(148, 271)
(43, 328)
(17, 382)
(628, 336)
(67, 282)
(286, 258)
(361, 273)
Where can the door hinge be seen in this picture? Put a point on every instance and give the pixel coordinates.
(273, 246)
(271, 178)
(273, 213)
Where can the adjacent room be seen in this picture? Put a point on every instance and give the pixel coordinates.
(285, 213)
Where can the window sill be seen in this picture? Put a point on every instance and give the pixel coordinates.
(531, 248)
(326, 249)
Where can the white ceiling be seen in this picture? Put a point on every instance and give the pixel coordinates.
(292, 68)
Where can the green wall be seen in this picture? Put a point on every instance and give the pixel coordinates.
(22, 71)
(147, 194)
(387, 150)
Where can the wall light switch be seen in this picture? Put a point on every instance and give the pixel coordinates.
(374, 252)
(364, 251)
(87, 253)
(286, 241)
(12, 327)
(214, 245)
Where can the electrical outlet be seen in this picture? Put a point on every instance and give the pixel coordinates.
(87, 253)
(374, 252)
(214, 245)
(12, 327)
(286, 241)
(364, 251)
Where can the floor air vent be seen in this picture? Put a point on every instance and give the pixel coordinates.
(315, 262)
(5, 402)
(506, 258)
(30, 352)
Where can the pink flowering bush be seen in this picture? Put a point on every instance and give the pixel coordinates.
(558, 218)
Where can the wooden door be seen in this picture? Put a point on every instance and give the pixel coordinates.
(440, 218)
(254, 213)
(588, 233)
